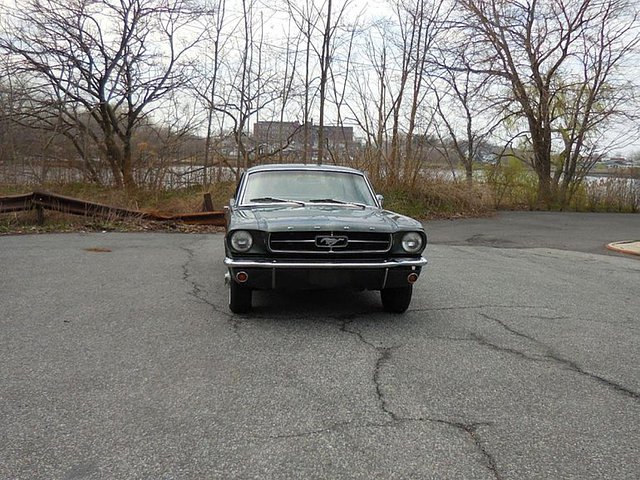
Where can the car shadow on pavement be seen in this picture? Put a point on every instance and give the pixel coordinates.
(342, 304)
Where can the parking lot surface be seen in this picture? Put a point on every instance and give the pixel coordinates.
(518, 358)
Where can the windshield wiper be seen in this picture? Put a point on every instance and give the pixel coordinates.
(340, 202)
(276, 200)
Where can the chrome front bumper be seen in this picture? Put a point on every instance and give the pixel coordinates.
(372, 264)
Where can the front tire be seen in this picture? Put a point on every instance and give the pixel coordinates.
(239, 298)
(396, 300)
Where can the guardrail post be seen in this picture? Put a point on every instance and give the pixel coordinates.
(40, 214)
(208, 203)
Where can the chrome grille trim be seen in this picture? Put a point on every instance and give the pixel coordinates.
(305, 242)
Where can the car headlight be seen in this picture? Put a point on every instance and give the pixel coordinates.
(241, 241)
(412, 242)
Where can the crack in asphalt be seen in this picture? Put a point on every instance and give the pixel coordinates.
(196, 288)
(550, 356)
(550, 317)
(198, 292)
(604, 381)
(470, 430)
(384, 357)
(483, 341)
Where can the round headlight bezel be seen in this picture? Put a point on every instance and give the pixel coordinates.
(412, 242)
(241, 241)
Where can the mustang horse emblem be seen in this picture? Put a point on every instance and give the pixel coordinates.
(331, 241)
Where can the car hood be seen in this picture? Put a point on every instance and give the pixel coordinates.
(320, 217)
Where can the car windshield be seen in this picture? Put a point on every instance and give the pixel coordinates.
(318, 186)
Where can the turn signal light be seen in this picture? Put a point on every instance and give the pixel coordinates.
(242, 277)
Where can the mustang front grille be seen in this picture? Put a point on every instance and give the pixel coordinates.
(330, 242)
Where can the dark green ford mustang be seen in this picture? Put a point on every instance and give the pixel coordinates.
(312, 227)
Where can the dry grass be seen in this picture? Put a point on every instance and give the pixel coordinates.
(608, 195)
(438, 198)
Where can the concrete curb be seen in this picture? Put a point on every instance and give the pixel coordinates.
(631, 247)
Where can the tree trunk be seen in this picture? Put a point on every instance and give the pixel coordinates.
(127, 168)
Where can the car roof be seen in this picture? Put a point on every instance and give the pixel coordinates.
(300, 166)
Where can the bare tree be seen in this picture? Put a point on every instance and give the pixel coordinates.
(98, 67)
(325, 64)
(290, 72)
(30, 144)
(369, 102)
(205, 77)
(7, 105)
(559, 61)
(425, 19)
(466, 117)
(306, 18)
(320, 23)
(394, 114)
(248, 86)
(339, 84)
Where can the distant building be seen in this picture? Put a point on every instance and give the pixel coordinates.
(276, 133)
(336, 135)
(617, 162)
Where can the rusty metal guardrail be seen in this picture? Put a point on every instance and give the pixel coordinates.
(16, 203)
(49, 201)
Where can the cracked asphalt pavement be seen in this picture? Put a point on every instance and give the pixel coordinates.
(519, 358)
